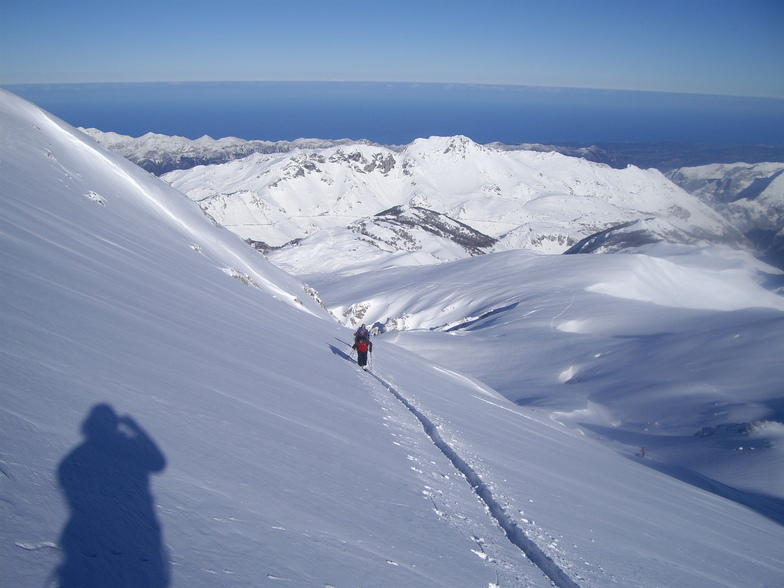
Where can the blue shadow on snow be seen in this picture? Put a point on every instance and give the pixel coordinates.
(112, 537)
(771, 507)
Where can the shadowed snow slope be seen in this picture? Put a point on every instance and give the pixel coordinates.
(177, 411)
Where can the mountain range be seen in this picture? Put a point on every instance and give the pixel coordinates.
(159, 154)
(536, 197)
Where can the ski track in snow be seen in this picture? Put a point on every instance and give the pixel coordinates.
(513, 532)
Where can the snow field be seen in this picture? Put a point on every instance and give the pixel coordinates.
(286, 463)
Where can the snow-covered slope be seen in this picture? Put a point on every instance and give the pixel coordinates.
(281, 462)
(750, 196)
(726, 183)
(642, 350)
(164, 423)
(399, 236)
(629, 237)
(525, 199)
(280, 197)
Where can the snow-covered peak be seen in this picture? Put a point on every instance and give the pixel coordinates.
(725, 182)
(455, 148)
(526, 199)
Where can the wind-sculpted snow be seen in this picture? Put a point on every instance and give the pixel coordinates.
(167, 390)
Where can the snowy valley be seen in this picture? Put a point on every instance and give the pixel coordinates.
(223, 435)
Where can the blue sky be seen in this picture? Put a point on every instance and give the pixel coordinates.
(695, 46)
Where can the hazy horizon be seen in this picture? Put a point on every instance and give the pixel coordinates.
(398, 112)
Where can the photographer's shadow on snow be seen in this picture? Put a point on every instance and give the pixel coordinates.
(112, 537)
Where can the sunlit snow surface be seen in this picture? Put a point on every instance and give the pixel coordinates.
(279, 462)
(640, 349)
(525, 199)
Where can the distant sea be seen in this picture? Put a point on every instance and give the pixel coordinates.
(398, 113)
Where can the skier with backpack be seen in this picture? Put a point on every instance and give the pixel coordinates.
(363, 346)
(362, 333)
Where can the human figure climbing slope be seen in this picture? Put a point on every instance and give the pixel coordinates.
(362, 333)
(363, 346)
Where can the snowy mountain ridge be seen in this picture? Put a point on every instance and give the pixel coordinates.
(759, 220)
(166, 423)
(159, 154)
(751, 196)
(521, 199)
